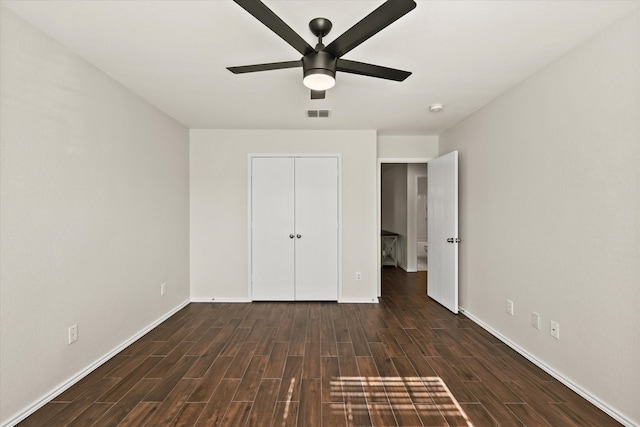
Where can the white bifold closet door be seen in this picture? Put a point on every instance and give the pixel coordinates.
(272, 222)
(294, 228)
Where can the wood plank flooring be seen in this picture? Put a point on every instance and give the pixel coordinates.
(404, 362)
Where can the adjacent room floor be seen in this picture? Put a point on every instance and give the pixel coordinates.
(422, 263)
(406, 361)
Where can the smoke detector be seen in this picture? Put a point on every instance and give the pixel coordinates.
(435, 108)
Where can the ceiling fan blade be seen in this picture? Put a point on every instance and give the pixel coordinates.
(371, 70)
(265, 67)
(265, 15)
(318, 94)
(386, 14)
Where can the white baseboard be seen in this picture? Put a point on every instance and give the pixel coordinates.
(244, 300)
(216, 299)
(358, 301)
(86, 371)
(557, 375)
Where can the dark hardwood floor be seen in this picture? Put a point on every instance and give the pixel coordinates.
(406, 361)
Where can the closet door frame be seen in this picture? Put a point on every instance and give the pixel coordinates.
(250, 157)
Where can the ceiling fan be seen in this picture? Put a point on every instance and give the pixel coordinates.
(320, 64)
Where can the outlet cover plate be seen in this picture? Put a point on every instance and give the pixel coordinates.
(535, 320)
(554, 329)
(73, 334)
(510, 307)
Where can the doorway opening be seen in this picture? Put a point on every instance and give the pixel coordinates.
(402, 214)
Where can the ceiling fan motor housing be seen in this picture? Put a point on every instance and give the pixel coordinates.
(319, 63)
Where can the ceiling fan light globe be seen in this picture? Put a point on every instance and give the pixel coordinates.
(319, 80)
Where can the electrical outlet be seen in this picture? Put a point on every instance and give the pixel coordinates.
(163, 289)
(535, 320)
(358, 275)
(73, 334)
(554, 329)
(510, 307)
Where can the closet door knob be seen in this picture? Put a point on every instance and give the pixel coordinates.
(299, 236)
(291, 236)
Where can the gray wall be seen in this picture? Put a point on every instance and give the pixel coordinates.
(219, 217)
(93, 214)
(393, 206)
(550, 214)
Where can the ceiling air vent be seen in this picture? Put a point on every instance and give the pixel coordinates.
(318, 113)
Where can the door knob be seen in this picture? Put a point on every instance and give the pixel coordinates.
(450, 240)
(299, 236)
(291, 236)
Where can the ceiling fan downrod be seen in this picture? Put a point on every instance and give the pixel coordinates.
(320, 27)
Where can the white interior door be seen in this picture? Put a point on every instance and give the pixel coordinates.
(316, 212)
(442, 207)
(272, 229)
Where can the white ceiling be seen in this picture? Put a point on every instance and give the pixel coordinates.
(462, 54)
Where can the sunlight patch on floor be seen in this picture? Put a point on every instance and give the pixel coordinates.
(426, 396)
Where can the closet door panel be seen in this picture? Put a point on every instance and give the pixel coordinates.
(272, 215)
(316, 213)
